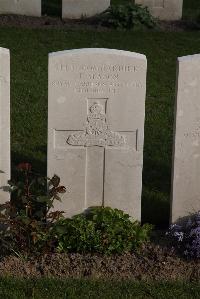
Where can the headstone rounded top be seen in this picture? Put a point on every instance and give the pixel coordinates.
(100, 51)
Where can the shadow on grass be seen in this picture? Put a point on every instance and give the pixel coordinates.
(155, 203)
(156, 192)
(157, 174)
(38, 165)
(52, 8)
(155, 208)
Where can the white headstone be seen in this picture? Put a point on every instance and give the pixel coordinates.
(169, 10)
(96, 127)
(4, 122)
(186, 157)
(76, 9)
(21, 7)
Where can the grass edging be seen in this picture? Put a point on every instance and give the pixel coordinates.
(84, 288)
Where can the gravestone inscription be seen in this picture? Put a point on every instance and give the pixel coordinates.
(21, 7)
(96, 127)
(4, 123)
(186, 156)
(168, 10)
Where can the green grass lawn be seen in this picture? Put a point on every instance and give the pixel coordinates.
(88, 289)
(29, 58)
(191, 9)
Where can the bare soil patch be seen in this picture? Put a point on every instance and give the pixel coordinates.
(152, 263)
(48, 22)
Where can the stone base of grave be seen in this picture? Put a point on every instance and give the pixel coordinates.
(166, 10)
(83, 8)
(21, 7)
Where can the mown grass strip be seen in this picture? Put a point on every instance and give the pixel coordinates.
(83, 288)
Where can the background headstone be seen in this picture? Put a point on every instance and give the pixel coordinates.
(4, 122)
(76, 9)
(21, 7)
(186, 157)
(169, 10)
(96, 128)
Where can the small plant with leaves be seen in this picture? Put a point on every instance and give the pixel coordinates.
(186, 237)
(102, 230)
(26, 219)
(128, 16)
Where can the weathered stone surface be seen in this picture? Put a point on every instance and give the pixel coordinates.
(4, 122)
(21, 7)
(186, 158)
(96, 128)
(76, 9)
(168, 10)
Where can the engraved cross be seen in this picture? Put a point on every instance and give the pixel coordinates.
(96, 138)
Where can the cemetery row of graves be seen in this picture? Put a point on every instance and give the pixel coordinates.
(91, 115)
(162, 9)
(126, 14)
(120, 15)
(96, 114)
(70, 9)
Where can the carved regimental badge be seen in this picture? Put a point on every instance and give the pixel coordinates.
(97, 132)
